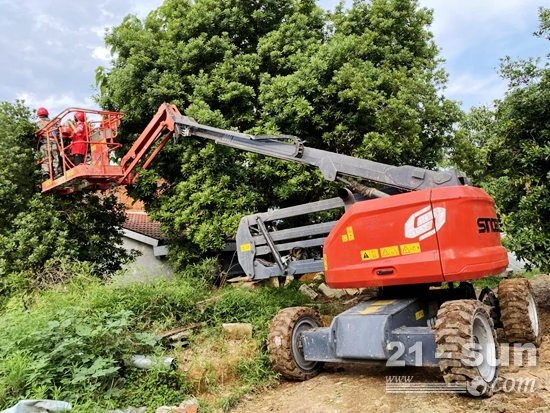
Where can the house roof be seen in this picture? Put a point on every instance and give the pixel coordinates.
(139, 222)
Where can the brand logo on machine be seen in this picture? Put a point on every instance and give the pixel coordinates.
(485, 225)
(425, 223)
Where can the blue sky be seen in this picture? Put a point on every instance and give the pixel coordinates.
(49, 49)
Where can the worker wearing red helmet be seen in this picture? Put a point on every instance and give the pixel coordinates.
(79, 144)
(47, 146)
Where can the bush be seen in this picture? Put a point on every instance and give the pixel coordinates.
(258, 306)
(71, 343)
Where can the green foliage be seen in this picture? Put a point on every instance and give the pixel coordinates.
(473, 152)
(16, 160)
(70, 350)
(255, 371)
(73, 343)
(155, 388)
(258, 306)
(363, 81)
(508, 151)
(491, 282)
(235, 304)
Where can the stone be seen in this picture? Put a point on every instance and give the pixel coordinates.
(331, 292)
(250, 285)
(273, 282)
(178, 409)
(237, 330)
(189, 406)
(129, 410)
(310, 292)
(319, 277)
(238, 280)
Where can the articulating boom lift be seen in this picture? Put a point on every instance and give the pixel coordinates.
(436, 230)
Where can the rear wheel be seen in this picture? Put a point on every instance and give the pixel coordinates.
(284, 342)
(467, 346)
(489, 298)
(518, 311)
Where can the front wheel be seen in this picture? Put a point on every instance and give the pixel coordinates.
(284, 342)
(467, 346)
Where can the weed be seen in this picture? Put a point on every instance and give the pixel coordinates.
(258, 306)
(491, 282)
(70, 342)
(226, 403)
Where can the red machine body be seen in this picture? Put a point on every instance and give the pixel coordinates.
(429, 236)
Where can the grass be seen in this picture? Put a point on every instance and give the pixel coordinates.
(72, 342)
(492, 282)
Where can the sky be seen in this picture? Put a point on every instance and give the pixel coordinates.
(49, 49)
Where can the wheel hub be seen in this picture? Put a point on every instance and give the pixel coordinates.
(298, 346)
(486, 348)
(533, 314)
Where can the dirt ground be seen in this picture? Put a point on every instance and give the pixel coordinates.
(360, 388)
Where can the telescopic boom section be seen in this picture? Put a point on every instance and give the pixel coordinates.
(169, 121)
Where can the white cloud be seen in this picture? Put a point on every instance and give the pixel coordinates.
(474, 35)
(52, 44)
(56, 103)
(143, 8)
(52, 47)
(475, 90)
(460, 25)
(106, 13)
(101, 53)
(48, 22)
(331, 4)
(99, 31)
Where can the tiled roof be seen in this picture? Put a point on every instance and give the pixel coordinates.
(139, 222)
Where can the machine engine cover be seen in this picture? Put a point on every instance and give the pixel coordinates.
(428, 236)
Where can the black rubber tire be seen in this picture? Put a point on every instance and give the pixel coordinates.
(455, 328)
(467, 290)
(283, 342)
(489, 298)
(516, 301)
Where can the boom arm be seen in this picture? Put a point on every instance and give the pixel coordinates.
(168, 121)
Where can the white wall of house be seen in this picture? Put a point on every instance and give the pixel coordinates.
(149, 265)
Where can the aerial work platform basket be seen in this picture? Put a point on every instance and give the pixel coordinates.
(98, 170)
(101, 169)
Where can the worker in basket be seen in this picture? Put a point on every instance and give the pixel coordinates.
(48, 146)
(79, 137)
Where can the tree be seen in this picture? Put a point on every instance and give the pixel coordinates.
(363, 81)
(508, 150)
(38, 231)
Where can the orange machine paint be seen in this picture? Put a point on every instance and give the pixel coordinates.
(428, 236)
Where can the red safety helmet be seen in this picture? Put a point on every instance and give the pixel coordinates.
(42, 113)
(80, 116)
